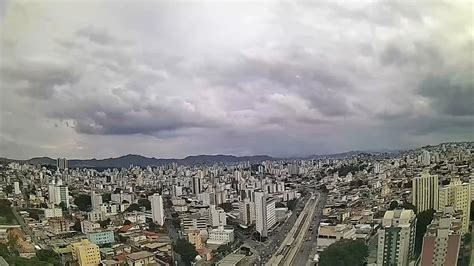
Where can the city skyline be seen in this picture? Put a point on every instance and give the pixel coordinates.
(167, 80)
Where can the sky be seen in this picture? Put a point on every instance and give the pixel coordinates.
(97, 79)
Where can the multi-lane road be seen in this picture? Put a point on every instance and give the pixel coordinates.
(296, 248)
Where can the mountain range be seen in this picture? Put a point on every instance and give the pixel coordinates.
(142, 161)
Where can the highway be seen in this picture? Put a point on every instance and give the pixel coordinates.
(309, 246)
(287, 251)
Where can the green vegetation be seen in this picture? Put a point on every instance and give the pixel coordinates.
(105, 223)
(145, 203)
(77, 226)
(291, 204)
(226, 206)
(423, 219)
(43, 257)
(186, 250)
(153, 227)
(48, 255)
(345, 253)
(6, 213)
(393, 205)
(9, 189)
(406, 205)
(106, 197)
(83, 202)
(133, 207)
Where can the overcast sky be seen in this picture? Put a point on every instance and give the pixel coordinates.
(88, 79)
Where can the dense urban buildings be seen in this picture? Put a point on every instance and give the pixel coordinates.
(398, 206)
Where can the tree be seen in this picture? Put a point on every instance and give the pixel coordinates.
(153, 226)
(77, 226)
(226, 206)
(49, 256)
(106, 197)
(345, 253)
(9, 189)
(291, 204)
(133, 207)
(423, 219)
(83, 202)
(393, 205)
(186, 250)
(63, 206)
(4, 250)
(145, 203)
(105, 223)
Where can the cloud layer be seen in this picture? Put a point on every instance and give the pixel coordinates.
(173, 79)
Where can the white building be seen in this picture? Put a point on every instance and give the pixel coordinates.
(16, 186)
(247, 212)
(329, 234)
(457, 195)
(217, 216)
(88, 226)
(61, 195)
(136, 217)
(121, 197)
(396, 238)
(157, 209)
(264, 213)
(53, 212)
(425, 158)
(95, 216)
(220, 236)
(425, 192)
(96, 200)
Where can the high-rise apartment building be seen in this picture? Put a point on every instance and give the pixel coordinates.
(157, 210)
(425, 158)
(264, 213)
(96, 200)
(396, 238)
(425, 192)
(217, 216)
(16, 186)
(458, 196)
(86, 253)
(196, 185)
(442, 239)
(247, 212)
(61, 163)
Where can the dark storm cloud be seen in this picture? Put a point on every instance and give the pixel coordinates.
(451, 94)
(236, 77)
(166, 115)
(37, 77)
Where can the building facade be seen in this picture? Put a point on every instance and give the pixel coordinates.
(157, 210)
(458, 196)
(396, 238)
(86, 253)
(425, 192)
(442, 239)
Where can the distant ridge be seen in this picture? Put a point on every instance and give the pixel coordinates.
(142, 161)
